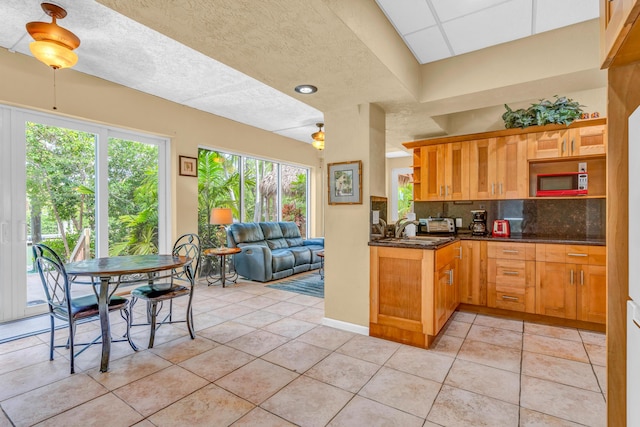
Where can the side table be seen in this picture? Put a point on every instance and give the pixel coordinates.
(222, 254)
(321, 270)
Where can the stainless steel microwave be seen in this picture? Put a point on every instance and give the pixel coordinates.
(562, 184)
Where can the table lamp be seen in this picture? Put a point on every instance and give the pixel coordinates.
(221, 217)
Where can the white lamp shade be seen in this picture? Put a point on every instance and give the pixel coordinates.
(221, 216)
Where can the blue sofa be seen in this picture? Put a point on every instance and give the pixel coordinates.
(272, 250)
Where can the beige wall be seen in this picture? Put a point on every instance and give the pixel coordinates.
(355, 133)
(28, 83)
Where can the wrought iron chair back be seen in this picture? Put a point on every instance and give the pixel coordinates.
(54, 280)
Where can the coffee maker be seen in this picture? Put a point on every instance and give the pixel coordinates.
(478, 224)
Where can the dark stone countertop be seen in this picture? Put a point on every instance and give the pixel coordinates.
(515, 238)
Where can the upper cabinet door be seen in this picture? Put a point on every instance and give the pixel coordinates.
(432, 172)
(513, 169)
(588, 141)
(483, 169)
(456, 171)
(548, 145)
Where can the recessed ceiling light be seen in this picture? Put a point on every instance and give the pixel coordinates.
(306, 89)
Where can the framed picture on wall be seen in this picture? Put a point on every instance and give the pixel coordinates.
(345, 183)
(188, 166)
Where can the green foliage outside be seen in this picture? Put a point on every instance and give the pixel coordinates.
(405, 197)
(61, 196)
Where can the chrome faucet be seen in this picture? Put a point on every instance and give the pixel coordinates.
(402, 224)
(382, 227)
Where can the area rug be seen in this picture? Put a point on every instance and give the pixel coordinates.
(307, 284)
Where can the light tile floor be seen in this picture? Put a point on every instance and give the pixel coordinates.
(263, 358)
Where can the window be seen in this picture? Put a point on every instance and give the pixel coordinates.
(255, 189)
(401, 193)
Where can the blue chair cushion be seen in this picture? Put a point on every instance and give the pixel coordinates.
(88, 304)
(301, 254)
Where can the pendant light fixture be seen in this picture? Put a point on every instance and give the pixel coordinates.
(318, 138)
(53, 44)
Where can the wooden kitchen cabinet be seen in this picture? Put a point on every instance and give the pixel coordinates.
(511, 276)
(572, 142)
(473, 272)
(413, 292)
(620, 40)
(571, 282)
(443, 172)
(498, 168)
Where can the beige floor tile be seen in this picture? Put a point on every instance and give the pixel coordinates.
(320, 305)
(365, 412)
(279, 295)
(498, 322)
(129, 369)
(24, 357)
(591, 337)
(253, 288)
(406, 392)
(447, 345)
(257, 380)
(601, 374)
(234, 297)
(460, 408)
(424, 363)
(371, 349)
(569, 334)
(31, 377)
(326, 337)
(258, 302)
(226, 331)
(564, 371)
(260, 417)
(158, 390)
(555, 347)
(485, 380)
(311, 314)
(203, 305)
(290, 328)
(22, 343)
(296, 356)
(284, 308)
(258, 342)
(106, 410)
(307, 402)
(209, 406)
(307, 300)
(491, 355)
(343, 371)
(456, 329)
(144, 423)
(562, 401)
(42, 403)
(597, 354)
(497, 336)
(258, 319)
(529, 418)
(217, 363)
(462, 316)
(4, 421)
(183, 348)
(140, 336)
(205, 320)
(231, 311)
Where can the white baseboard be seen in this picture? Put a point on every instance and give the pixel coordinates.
(345, 326)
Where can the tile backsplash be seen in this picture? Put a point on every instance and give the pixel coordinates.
(568, 218)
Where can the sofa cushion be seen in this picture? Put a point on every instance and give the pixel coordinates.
(301, 254)
(247, 232)
(291, 233)
(282, 259)
(273, 235)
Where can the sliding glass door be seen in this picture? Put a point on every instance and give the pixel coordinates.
(82, 189)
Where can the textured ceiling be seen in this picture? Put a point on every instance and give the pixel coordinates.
(241, 59)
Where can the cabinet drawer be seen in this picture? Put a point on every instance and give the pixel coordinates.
(550, 252)
(597, 255)
(576, 254)
(510, 272)
(510, 300)
(508, 250)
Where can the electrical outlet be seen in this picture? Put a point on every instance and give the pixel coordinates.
(482, 206)
(582, 167)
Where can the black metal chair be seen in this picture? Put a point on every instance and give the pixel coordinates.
(62, 306)
(181, 283)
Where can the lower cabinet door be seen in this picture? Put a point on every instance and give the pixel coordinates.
(592, 293)
(556, 286)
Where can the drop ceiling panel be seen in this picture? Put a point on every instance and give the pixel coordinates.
(408, 15)
(488, 27)
(428, 45)
(448, 9)
(552, 14)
